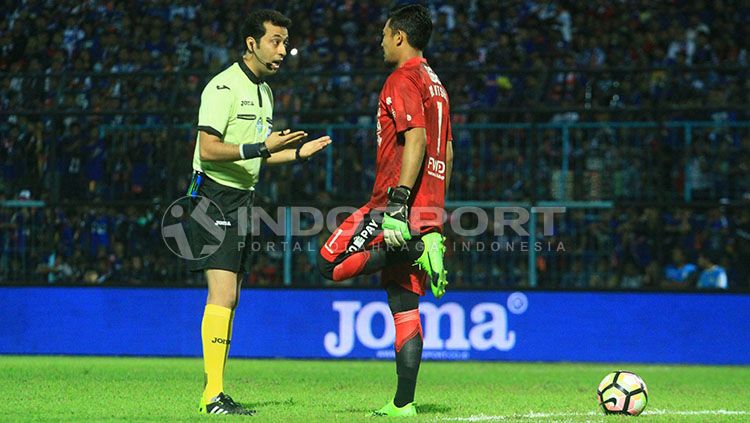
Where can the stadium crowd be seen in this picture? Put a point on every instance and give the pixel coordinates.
(521, 42)
(620, 248)
(98, 99)
(510, 65)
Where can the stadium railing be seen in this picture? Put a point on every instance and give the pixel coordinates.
(592, 161)
(590, 245)
(607, 175)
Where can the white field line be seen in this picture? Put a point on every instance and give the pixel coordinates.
(535, 415)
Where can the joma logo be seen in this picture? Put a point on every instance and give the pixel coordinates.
(488, 327)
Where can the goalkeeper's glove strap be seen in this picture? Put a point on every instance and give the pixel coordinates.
(399, 194)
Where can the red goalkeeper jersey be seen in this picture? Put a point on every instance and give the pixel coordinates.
(413, 97)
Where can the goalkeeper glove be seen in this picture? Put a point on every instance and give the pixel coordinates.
(396, 219)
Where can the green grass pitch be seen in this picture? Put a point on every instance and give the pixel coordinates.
(166, 390)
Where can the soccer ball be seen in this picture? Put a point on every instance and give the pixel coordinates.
(622, 392)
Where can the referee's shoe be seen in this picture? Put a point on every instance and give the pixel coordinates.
(223, 404)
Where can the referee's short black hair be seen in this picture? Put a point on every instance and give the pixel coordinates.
(253, 25)
(415, 21)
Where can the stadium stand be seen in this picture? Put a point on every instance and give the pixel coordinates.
(97, 105)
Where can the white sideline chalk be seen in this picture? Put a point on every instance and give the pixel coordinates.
(536, 415)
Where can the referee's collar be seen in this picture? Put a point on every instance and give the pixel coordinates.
(250, 75)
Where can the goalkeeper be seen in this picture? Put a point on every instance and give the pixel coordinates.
(413, 168)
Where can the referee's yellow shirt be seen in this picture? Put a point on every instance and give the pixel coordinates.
(237, 107)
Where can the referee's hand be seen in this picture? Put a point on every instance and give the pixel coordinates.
(281, 140)
(310, 148)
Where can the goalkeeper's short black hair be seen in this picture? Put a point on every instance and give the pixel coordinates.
(253, 25)
(415, 21)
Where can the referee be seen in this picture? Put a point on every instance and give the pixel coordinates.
(234, 138)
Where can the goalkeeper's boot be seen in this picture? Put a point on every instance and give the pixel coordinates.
(223, 404)
(431, 261)
(390, 410)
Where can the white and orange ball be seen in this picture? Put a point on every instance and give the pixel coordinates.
(622, 392)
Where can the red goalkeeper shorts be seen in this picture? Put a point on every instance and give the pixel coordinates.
(362, 231)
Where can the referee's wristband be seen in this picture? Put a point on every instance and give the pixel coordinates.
(297, 155)
(254, 150)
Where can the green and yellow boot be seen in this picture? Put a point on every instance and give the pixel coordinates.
(390, 410)
(431, 261)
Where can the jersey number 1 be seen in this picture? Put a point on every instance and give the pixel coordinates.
(440, 123)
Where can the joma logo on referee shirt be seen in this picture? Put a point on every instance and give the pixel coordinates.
(220, 341)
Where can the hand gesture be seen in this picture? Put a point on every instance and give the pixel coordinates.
(281, 140)
(311, 148)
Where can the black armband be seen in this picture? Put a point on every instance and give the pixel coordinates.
(254, 150)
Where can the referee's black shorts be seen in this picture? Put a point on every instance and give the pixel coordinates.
(229, 211)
